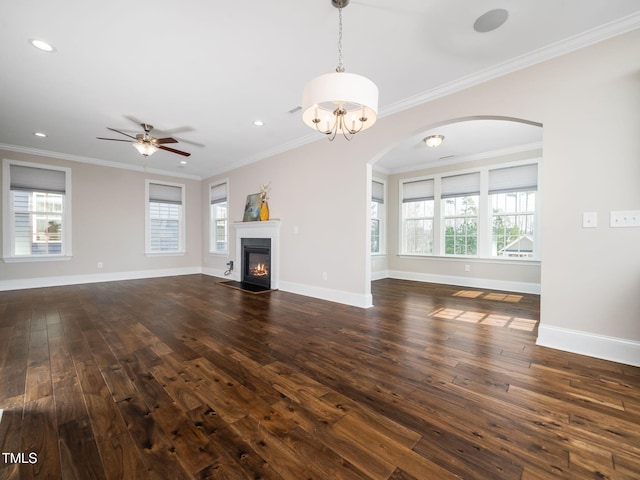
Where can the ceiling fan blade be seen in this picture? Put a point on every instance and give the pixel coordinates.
(121, 133)
(173, 150)
(114, 139)
(165, 140)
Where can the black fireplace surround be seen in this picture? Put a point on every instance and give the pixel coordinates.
(256, 262)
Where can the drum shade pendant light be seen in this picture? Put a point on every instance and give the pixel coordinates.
(340, 103)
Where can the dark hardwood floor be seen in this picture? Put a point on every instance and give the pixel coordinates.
(179, 377)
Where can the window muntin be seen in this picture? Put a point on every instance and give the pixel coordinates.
(513, 223)
(36, 216)
(461, 225)
(460, 200)
(418, 212)
(165, 218)
(417, 226)
(489, 213)
(219, 218)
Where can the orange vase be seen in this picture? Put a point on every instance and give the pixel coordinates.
(264, 211)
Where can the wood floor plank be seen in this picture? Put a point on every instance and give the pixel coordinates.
(40, 437)
(182, 378)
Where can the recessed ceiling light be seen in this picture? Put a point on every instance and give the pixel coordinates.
(491, 20)
(433, 141)
(258, 123)
(42, 45)
(183, 162)
(40, 134)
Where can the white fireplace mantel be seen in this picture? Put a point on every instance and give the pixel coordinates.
(266, 229)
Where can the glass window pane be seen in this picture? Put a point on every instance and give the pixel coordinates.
(513, 224)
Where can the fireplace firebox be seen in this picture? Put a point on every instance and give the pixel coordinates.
(256, 262)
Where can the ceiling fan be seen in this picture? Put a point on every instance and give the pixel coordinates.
(145, 143)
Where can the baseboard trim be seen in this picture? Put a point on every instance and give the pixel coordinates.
(380, 274)
(24, 283)
(331, 295)
(504, 285)
(590, 344)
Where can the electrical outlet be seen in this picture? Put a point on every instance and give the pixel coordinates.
(467, 268)
(100, 264)
(589, 219)
(625, 218)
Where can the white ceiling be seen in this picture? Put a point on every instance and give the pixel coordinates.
(203, 71)
(472, 139)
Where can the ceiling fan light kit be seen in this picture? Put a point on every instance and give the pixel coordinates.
(340, 103)
(146, 149)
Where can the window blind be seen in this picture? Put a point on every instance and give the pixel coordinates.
(218, 193)
(417, 191)
(461, 185)
(377, 192)
(35, 179)
(523, 178)
(165, 193)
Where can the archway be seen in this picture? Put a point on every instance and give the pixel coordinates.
(477, 142)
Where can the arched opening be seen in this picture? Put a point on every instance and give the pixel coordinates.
(485, 236)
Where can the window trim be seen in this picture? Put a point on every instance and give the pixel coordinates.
(8, 255)
(212, 226)
(182, 240)
(484, 217)
(382, 216)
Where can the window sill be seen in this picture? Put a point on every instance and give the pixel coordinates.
(494, 260)
(37, 258)
(165, 254)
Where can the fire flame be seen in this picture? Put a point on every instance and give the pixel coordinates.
(259, 270)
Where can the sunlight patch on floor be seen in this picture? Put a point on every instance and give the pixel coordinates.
(493, 320)
(503, 297)
(495, 296)
(523, 324)
(468, 294)
(496, 320)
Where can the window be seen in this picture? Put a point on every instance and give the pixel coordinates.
(512, 193)
(489, 212)
(377, 217)
(165, 228)
(36, 219)
(417, 217)
(218, 218)
(461, 196)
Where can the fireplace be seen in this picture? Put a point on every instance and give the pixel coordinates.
(256, 262)
(258, 235)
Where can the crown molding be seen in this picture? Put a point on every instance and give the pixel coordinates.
(93, 161)
(581, 40)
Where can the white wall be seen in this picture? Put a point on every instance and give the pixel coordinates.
(108, 222)
(319, 192)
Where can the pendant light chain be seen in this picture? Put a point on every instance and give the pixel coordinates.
(340, 67)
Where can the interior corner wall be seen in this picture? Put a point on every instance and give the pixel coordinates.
(108, 226)
(319, 194)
